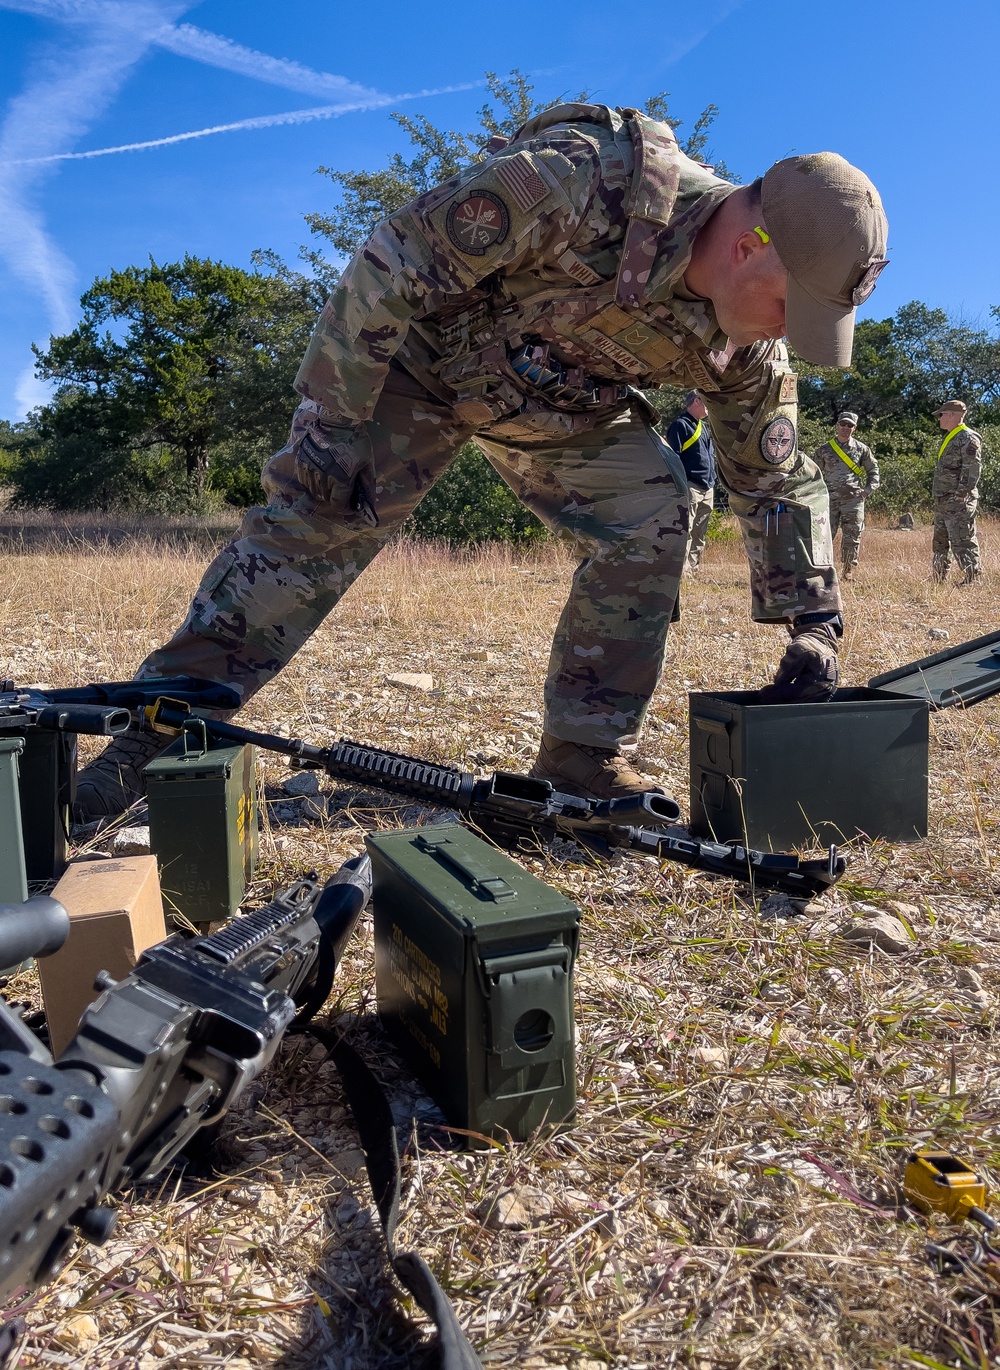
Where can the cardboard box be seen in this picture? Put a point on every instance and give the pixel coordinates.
(115, 913)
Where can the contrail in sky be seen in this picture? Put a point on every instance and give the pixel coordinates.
(295, 116)
(74, 78)
(187, 41)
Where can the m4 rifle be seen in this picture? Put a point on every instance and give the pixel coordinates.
(518, 811)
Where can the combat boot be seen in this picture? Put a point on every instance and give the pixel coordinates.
(114, 782)
(589, 772)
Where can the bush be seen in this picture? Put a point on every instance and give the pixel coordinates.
(471, 504)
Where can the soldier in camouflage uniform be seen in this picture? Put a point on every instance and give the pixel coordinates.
(851, 473)
(520, 305)
(956, 494)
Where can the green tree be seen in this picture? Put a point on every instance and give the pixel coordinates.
(904, 367)
(169, 365)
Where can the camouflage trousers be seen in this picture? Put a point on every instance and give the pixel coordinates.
(615, 496)
(955, 532)
(702, 504)
(847, 513)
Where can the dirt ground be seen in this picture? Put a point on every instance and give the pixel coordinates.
(749, 1086)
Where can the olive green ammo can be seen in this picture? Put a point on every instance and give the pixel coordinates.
(203, 826)
(48, 789)
(13, 881)
(474, 975)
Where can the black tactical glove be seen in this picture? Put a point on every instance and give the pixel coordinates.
(807, 673)
(332, 462)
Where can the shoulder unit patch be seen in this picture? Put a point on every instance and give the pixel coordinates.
(478, 222)
(777, 442)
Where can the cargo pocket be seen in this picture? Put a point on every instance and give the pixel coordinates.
(214, 611)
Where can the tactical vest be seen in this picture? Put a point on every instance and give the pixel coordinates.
(529, 343)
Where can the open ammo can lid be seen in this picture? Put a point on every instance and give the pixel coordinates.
(964, 674)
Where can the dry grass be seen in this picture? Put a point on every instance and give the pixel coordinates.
(687, 1226)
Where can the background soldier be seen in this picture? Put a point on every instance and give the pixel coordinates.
(851, 473)
(522, 304)
(956, 494)
(690, 437)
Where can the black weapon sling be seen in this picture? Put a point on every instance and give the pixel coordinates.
(377, 1131)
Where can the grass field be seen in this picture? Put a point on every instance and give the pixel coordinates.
(684, 1220)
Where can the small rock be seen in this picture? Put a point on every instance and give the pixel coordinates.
(130, 842)
(968, 978)
(80, 1331)
(314, 808)
(412, 680)
(774, 994)
(302, 782)
(979, 999)
(713, 1058)
(835, 980)
(782, 906)
(480, 654)
(609, 1224)
(761, 1233)
(909, 913)
(347, 1210)
(515, 1210)
(938, 634)
(874, 928)
(532, 715)
(976, 994)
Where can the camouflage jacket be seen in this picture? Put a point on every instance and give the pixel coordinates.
(959, 465)
(563, 256)
(838, 475)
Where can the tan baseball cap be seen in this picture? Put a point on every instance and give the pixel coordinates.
(950, 406)
(828, 226)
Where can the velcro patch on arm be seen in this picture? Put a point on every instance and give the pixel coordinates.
(518, 175)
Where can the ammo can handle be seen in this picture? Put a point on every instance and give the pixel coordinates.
(707, 724)
(484, 880)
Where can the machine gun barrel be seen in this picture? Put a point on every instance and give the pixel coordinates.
(512, 809)
(38, 927)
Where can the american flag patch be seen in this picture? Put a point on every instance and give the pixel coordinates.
(518, 176)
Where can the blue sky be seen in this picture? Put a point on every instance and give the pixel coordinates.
(906, 91)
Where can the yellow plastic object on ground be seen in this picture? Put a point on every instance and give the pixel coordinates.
(936, 1181)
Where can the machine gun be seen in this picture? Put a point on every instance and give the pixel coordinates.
(516, 809)
(103, 709)
(41, 727)
(159, 1056)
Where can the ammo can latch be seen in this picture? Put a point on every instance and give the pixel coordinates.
(483, 880)
(528, 1005)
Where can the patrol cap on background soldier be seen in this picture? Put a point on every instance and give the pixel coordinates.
(522, 305)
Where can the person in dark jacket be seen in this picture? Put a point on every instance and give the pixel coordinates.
(690, 437)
